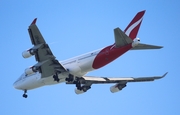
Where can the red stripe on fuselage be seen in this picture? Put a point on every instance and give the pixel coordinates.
(108, 54)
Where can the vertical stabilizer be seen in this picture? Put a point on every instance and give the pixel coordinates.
(133, 27)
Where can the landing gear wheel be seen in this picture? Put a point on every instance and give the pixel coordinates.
(70, 78)
(25, 95)
(78, 85)
(56, 77)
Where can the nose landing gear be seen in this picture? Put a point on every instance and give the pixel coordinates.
(25, 95)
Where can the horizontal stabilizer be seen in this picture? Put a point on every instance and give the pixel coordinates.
(141, 46)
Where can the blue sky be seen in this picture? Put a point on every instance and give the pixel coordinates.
(75, 27)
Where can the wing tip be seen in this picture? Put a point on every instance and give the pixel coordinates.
(34, 21)
(165, 74)
(160, 47)
(159, 77)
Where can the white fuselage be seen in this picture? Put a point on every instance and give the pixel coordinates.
(78, 66)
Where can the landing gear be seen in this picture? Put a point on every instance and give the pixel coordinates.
(25, 95)
(79, 87)
(70, 78)
(56, 77)
(78, 81)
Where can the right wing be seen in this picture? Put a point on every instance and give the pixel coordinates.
(102, 80)
(84, 83)
(47, 63)
(141, 46)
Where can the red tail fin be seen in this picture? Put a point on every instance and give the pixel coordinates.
(133, 27)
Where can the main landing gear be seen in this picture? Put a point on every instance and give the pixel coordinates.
(70, 78)
(79, 87)
(56, 77)
(25, 95)
(76, 80)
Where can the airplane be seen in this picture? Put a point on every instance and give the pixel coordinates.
(49, 71)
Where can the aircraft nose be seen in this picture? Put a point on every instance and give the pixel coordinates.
(16, 86)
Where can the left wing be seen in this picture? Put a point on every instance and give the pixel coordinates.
(47, 63)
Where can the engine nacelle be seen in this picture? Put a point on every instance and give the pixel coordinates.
(136, 41)
(83, 89)
(30, 70)
(75, 70)
(77, 91)
(117, 87)
(28, 53)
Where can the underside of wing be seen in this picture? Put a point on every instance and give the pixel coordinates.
(84, 83)
(99, 80)
(34, 33)
(47, 64)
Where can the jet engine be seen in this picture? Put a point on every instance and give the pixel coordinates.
(83, 89)
(31, 70)
(77, 91)
(117, 87)
(28, 53)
